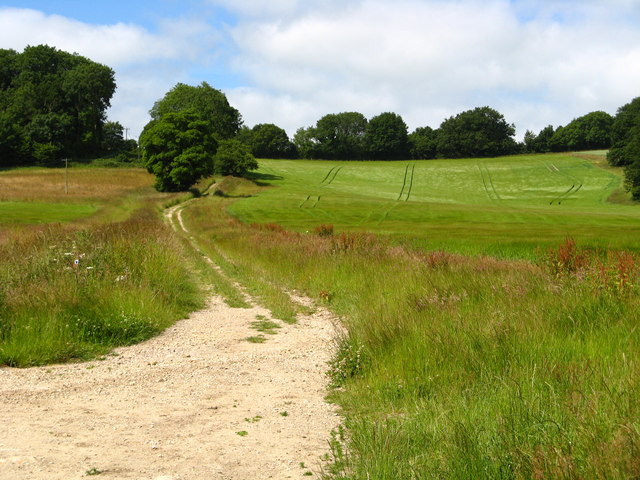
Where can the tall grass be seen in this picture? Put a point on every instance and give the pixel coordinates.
(458, 367)
(69, 293)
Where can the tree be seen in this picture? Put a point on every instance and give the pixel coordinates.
(233, 158)
(52, 103)
(340, 136)
(178, 148)
(481, 132)
(591, 131)
(625, 135)
(270, 141)
(113, 138)
(209, 103)
(423, 143)
(306, 143)
(386, 137)
(539, 143)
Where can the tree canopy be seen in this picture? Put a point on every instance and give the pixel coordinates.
(233, 158)
(206, 101)
(267, 140)
(589, 132)
(52, 104)
(625, 145)
(481, 132)
(625, 135)
(178, 148)
(423, 143)
(386, 137)
(340, 135)
(540, 143)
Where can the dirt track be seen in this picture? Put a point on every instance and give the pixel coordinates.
(197, 402)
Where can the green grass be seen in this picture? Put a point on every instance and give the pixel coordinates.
(74, 294)
(16, 213)
(86, 271)
(455, 366)
(507, 206)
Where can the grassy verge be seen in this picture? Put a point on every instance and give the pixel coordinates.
(73, 294)
(76, 289)
(458, 367)
(204, 219)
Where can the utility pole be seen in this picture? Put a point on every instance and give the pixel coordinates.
(66, 176)
(126, 133)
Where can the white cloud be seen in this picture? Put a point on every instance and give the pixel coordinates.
(537, 62)
(146, 64)
(430, 59)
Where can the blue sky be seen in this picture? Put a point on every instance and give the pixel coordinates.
(289, 62)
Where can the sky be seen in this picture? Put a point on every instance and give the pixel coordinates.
(290, 62)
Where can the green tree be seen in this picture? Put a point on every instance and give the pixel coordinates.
(113, 138)
(340, 136)
(233, 158)
(52, 103)
(178, 148)
(591, 131)
(209, 103)
(306, 143)
(423, 143)
(481, 132)
(386, 137)
(270, 141)
(625, 135)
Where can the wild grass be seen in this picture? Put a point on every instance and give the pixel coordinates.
(460, 367)
(84, 184)
(83, 272)
(72, 294)
(207, 224)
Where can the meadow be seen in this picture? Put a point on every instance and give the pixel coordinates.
(88, 269)
(457, 366)
(490, 306)
(506, 207)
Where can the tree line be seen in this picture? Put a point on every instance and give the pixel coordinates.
(53, 104)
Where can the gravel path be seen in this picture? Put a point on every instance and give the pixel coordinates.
(196, 402)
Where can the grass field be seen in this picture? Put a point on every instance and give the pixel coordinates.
(454, 366)
(85, 271)
(504, 206)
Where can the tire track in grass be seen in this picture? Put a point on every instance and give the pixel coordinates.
(304, 201)
(327, 175)
(335, 174)
(575, 182)
(413, 170)
(485, 182)
(493, 187)
(408, 176)
(404, 182)
(387, 207)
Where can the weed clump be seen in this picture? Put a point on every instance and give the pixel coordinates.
(350, 360)
(324, 230)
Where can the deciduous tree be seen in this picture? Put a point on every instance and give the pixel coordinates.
(386, 137)
(178, 148)
(481, 132)
(52, 103)
(209, 103)
(233, 158)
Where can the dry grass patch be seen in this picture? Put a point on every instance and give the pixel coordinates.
(84, 184)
